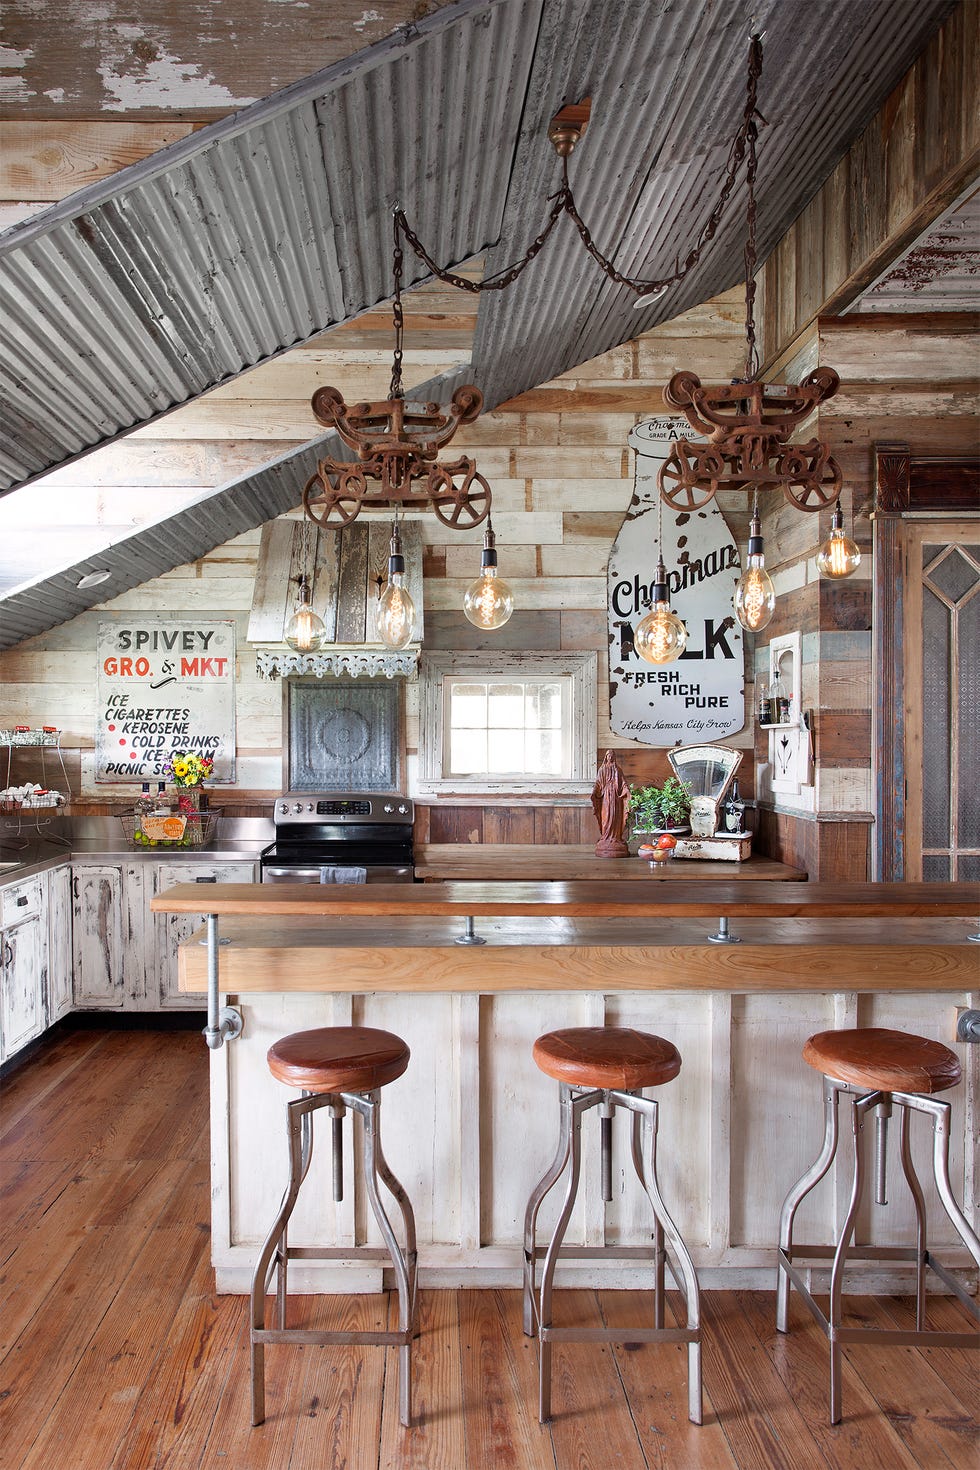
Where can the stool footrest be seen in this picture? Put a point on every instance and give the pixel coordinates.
(620, 1334)
(313, 1338)
(856, 1253)
(353, 1253)
(599, 1252)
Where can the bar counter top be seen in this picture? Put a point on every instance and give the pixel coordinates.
(569, 936)
(585, 899)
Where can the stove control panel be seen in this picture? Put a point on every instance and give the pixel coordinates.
(313, 806)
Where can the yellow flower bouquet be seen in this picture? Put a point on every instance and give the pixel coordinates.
(186, 768)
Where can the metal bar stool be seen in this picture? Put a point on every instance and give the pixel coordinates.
(878, 1070)
(340, 1068)
(607, 1068)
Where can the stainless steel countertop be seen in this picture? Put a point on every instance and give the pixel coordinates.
(25, 853)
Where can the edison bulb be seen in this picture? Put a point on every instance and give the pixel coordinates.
(396, 613)
(755, 596)
(660, 637)
(838, 556)
(305, 630)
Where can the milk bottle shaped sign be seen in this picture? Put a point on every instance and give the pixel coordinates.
(701, 696)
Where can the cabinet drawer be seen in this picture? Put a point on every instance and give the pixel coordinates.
(20, 901)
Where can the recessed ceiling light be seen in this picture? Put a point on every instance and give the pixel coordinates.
(93, 579)
(649, 297)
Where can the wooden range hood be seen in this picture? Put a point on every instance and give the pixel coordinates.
(346, 570)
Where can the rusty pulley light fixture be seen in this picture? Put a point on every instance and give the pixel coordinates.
(746, 427)
(397, 441)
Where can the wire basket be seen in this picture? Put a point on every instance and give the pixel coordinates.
(177, 830)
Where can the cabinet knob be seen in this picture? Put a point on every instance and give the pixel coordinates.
(22, 901)
(212, 879)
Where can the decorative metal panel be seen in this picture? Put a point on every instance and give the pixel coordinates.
(344, 736)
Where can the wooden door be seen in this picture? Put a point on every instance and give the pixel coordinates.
(942, 700)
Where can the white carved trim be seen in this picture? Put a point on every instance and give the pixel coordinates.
(347, 662)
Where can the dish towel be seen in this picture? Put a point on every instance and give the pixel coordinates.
(333, 873)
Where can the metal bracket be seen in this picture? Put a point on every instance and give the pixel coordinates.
(967, 1023)
(469, 934)
(723, 936)
(230, 1026)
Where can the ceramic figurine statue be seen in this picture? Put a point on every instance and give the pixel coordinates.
(610, 802)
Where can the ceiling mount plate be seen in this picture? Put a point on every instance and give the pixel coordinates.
(568, 126)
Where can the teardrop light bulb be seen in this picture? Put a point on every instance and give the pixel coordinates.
(755, 596)
(660, 636)
(488, 601)
(396, 610)
(305, 630)
(838, 556)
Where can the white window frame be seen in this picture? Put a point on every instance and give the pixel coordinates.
(580, 670)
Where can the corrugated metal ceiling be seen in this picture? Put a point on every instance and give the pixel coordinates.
(138, 294)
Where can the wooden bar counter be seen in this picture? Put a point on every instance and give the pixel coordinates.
(470, 1126)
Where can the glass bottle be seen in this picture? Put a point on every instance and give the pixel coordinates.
(762, 705)
(144, 802)
(161, 802)
(777, 698)
(734, 810)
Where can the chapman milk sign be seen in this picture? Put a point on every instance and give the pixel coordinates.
(163, 686)
(701, 696)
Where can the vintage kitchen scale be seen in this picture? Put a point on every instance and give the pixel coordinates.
(710, 770)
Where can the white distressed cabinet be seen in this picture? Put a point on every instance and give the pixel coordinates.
(58, 905)
(23, 965)
(102, 959)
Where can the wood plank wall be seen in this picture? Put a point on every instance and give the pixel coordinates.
(910, 378)
(913, 160)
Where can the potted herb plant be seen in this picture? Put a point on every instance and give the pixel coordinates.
(658, 808)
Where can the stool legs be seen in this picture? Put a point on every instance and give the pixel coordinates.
(276, 1253)
(665, 1227)
(405, 1263)
(538, 1302)
(862, 1104)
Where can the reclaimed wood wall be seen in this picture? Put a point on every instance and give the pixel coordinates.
(913, 160)
(912, 379)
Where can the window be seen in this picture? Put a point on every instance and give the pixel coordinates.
(508, 722)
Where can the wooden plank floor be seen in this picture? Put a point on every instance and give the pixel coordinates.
(115, 1353)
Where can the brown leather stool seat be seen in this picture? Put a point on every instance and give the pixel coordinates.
(875, 1071)
(607, 1056)
(884, 1061)
(604, 1069)
(338, 1059)
(340, 1070)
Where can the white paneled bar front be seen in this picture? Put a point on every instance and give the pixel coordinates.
(472, 1123)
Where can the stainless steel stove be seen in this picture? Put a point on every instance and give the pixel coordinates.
(341, 837)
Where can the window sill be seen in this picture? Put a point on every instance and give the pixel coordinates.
(486, 792)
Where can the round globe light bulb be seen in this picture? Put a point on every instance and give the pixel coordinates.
(305, 631)
(838, 556)
(488, 601)
(660, 636)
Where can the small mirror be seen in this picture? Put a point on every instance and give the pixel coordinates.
(710, 770)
